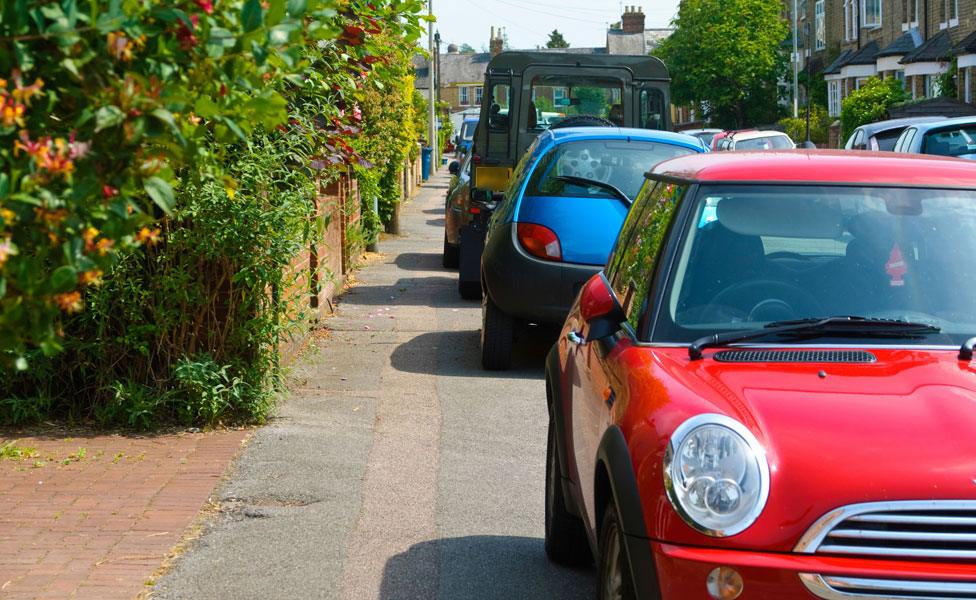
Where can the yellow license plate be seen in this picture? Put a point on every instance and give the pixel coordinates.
(492, 178)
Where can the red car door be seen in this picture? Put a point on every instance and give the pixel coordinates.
(629, 273)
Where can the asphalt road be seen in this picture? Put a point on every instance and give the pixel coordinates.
(397, 469)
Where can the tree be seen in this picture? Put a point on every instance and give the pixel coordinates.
(467, 49)
(870, 103)
(727, 56)
(556, 40)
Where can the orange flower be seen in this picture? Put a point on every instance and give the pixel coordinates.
(93, 277)
(7, 249)
(8, 216)
(11, 113)
(69, 302)
(103, 246)
(148, 236)
(120, 46)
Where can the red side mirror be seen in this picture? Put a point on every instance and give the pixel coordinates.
(599, 308)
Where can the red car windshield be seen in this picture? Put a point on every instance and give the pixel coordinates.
(752, 255)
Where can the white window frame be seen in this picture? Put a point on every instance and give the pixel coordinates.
(950, 11)
(966, 82)
(866, 12)
(859, 82)
(833, 97)
(820, 25)
(463, 98)
(850, 20)
(910, 20)
(478, 94)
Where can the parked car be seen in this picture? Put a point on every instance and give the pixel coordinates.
(881, 136)
(568, 197)
(768, 393)
(756, 140)
(457, 209)
(948, 137)
(465, 136)
(705, 135)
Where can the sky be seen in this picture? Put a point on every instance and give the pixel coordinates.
(528, 22)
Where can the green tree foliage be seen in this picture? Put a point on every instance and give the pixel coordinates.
(467, 49)
(159, 168)
(870, 103)
(727, 56)
(819, 126)
(556, 40)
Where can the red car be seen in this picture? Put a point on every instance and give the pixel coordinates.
(768, 393)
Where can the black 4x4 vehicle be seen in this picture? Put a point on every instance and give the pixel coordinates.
(526, 93)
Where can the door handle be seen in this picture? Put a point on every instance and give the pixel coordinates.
(575, 338)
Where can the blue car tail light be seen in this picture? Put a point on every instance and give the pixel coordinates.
(540, 241)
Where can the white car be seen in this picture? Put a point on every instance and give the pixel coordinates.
(756, 140)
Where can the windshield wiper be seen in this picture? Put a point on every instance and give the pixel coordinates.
(826, 325)
(583, 181)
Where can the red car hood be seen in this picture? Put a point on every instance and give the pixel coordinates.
(901, 428)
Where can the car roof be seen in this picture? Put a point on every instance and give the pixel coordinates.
(819, 166)
(564, 134)
(903, 123)
(471, 119)
(697, 131)
(946, 123)
(754, 134)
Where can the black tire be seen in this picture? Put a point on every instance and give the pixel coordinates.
(566, 541)
(469, 290)
(583, 121)
(497, 335)
(615, 580)
(451, 257)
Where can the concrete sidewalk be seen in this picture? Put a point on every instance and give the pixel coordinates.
(398, 469)
(93, 517)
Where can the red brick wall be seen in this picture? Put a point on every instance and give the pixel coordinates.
(317, 274)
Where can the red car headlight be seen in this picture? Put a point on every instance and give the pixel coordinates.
(716, 475)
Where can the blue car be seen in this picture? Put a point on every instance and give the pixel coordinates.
(949, 137)
(566, 202)
(466, 136)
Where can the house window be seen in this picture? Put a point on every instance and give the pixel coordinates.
(463, 96)
(950, 14)
(871, 9)
(850, 20)
(833, 98)
(909, 14)
(967, 92)
(558, 94)
(900, 76)
(859, 82)
(803, 9)
(477, 95)
(821, 33)
(931, 86)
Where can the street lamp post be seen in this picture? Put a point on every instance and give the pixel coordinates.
(431, 109)
(796, 64)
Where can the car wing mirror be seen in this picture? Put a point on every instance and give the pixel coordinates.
(599, 308)
(454, 168)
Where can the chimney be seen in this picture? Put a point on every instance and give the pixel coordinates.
(497, 42)
(633, 20)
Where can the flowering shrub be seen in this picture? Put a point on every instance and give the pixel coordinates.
(141, 179)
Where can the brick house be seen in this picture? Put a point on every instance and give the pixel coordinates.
(915, 41)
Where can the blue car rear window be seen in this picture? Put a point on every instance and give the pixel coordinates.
(621, 163)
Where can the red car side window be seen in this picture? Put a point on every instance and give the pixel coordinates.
(637, 254)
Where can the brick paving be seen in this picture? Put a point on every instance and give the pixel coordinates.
(93, 517)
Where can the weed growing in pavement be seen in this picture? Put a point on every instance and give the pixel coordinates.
(11, 451)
